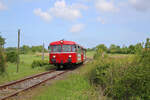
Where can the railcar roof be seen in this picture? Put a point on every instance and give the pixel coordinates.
(64, 42)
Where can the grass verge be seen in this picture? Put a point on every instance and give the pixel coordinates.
(24, 69)
(75, 87)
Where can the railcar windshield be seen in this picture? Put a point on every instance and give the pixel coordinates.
(56, 48)
(63, 48)
(66, 48)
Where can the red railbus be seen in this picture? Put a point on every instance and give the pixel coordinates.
(66, 53)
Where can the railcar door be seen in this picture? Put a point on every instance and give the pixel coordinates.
(79, 54)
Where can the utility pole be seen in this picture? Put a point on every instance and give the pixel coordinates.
(18, 58)
(43, 52)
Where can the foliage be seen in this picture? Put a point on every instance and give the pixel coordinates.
(2, 41)
(39, 63)
(25, 49)
(115, 49)
(102, 47)
(125, 78)
(2, 61)
(11, 49)
(25, 69)
(12, 56)
(75, 86)
(37, 48)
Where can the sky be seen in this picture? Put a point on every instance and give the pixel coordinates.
(87, 22)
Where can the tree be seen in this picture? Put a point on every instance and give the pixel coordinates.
(2, 41)
(25, 49)
(11, 49)
(131, 49)
(2, 56)
(147, 44)
(112, 48)
(102, 47)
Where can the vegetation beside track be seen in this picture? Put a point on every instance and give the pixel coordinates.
(25, 68)
(76, 86)
(108, 77)
(123, 77)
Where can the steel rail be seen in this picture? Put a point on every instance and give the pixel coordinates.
(17, 92)
(27, 78)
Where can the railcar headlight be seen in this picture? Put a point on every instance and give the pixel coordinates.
(54, 56)
(70, 56)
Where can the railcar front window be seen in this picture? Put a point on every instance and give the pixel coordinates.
(73, 48)
(49, 49)
(56, 48)
(66, 48)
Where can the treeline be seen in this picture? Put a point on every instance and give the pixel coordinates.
(115, 49)
(10, 54)
(25, 49)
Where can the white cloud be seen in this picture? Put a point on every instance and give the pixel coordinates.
(79, 6)
(106, 6)
(99, 19)
(44, 15)
(2, 6)
(77, 28)
(62, 10)
(140, 5)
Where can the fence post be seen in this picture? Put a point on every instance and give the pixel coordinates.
(43, 52)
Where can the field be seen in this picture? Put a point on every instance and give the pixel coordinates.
(24, 68)
(90, 54)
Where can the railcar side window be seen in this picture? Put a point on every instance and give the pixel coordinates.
(79, 49)
(66, 48)
(56, 48)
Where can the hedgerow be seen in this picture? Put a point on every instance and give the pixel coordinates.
(124, 78)
(39, 63)
(42, 63)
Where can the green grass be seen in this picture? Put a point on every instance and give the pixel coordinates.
(75, 87)
(90, 54)
(24, 68)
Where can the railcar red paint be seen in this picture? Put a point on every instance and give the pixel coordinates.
(66, 52)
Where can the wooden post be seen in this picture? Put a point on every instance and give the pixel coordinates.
(43, 52)
(18, 58)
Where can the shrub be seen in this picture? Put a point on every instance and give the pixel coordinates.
(12, 56)
(39, 63)
(124, 78)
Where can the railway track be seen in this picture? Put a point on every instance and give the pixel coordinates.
(14, 88)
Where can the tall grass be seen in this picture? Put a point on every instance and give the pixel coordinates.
(25, 69)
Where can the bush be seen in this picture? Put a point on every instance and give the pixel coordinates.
(12, 56)
(2, 61)
(124, 78)
(39, 63)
